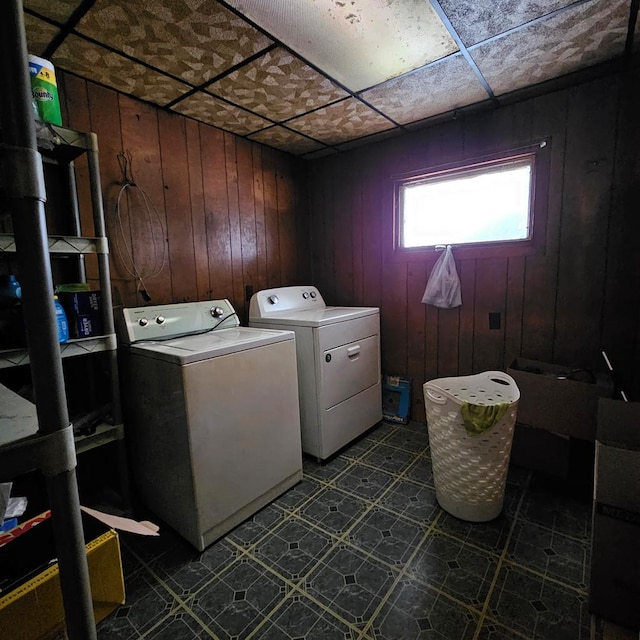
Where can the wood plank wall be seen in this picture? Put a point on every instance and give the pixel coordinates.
(226, 213)
(581, 294)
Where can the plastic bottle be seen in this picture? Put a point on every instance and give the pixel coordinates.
(10, 290)
(61, 317)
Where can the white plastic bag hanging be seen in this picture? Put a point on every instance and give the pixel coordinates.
(443, 286)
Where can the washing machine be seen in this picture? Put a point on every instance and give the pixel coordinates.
(212, 415)
(338, 354)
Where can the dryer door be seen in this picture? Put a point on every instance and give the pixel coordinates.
(349, 369)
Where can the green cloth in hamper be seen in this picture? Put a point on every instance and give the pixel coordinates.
(478, 417)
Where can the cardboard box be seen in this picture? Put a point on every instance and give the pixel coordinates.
(550, 401)
(614, 590)
(84, 312)
(396, 399)
(31, 608)
(541, 451)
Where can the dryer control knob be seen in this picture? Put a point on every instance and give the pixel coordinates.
(273, 299)
(160, 319)
(313, 294)
(305, 295)
(143, 322)
(216, 312)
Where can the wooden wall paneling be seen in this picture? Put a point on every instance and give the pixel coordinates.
(357, 239)
(216, 202)
(490, 296)
(258, 205)
(287, 223)
(393, 318)
(467, 275)
(417, 336)
(586, 206)
(246, 203)
(513, 310)
(302, 220)
(621, 315)
(177, 206)
(372, 211)
(448, 341)
(326, 223)
(235, 238)
(104, 106)
(198, 215)
(541, 270)
(343, 231)
(314, 179)
(148, 230)
(488, 132)
(270, 206)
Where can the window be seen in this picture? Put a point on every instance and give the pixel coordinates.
(486, 202)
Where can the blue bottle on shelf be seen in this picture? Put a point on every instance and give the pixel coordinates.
(61, 317)
(10, 290)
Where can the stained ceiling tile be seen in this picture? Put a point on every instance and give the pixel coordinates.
(340, 122)
(277, 85)
(39, 34)
(60, 10)
(206, 108)
(476, 20)
(579, 37)
(286, 140)
(363, 42)
(100, 65)
(194, 41)
(445, 85)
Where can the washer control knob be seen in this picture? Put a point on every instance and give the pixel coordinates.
(305, 295)
(160, 319)
(313, 294)
(216, 312)
(273, 299)
(143, 322)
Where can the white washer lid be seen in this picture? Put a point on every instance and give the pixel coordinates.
(213, 344)
(316, 317)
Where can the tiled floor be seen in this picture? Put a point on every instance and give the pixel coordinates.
(361, 550)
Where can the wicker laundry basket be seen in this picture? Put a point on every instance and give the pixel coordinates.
(470, 467)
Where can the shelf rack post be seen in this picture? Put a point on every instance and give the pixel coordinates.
(25, 187)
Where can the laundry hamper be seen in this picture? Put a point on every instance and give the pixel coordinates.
(470, 454)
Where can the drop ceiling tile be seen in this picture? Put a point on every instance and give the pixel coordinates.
(39, 34)
(277, 85)
(59, 10)
(194, 40)
(101, 65)
(577, 38)
(340, 122)
(363, 42)
(286, 140)
(445, 85)
(206, 108)
(477, 20)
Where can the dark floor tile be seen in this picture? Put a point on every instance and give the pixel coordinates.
(458, 569)
(412, 500)
(555, 508)
(237, 601)
(491, 630)
(350, 583)
(303, 618)
(298, 494)
(364, 481)
(359, 447)
(185, 570)
(518, 476)
(388, 458)
(147, 548)
(294, 548)
(412, 437)
(421, 471)
(147, 601)
(416, 612)
(538, 608)
(380, 432)
(178, 626)
(386, 536)
(551, 553)
(334, 511)
(324, 471)
(252, 529)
